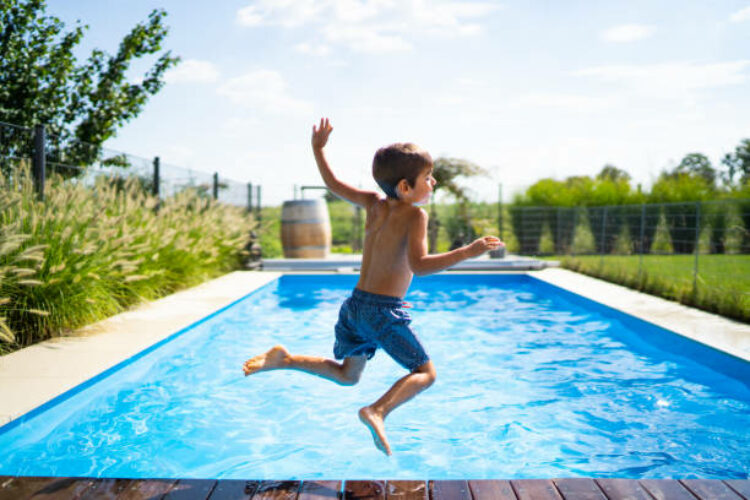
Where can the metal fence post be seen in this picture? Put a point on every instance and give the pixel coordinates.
(257, 201)
(603, 238)
(249, 197)
(573, 237)
(640, 257)
(558, 241)
(357, 243)
(697, 241)
(500, 210)
(39, 166)
(216, 186)
(157, 180)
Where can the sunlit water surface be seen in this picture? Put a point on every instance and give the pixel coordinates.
(532, 382)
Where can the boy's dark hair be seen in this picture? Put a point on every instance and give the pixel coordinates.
(402, 160)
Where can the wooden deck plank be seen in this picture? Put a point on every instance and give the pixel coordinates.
(13, 488)
(535, 489)
(364, 489)
(277, 490)
(234, 489)
(191, 489)
(623, 489)
(741, 486)
(44, 487)
(490, 489)
(107, 489)
(147, 488)
(320, 490)
(706, 488)
(449, 490)
(579, 489)
(666, 489)
(406, 490)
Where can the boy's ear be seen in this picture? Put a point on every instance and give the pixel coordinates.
(402, 187)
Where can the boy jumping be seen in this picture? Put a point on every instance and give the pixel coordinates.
(395, 248)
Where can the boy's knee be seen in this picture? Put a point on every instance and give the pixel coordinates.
(350, 378)
(428, 370)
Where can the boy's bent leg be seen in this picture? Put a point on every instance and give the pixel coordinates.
(346, 373)
(402, 391)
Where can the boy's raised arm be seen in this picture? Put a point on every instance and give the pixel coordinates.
(357, 196)
(422, 263)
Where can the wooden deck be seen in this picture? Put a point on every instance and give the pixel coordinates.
(18, 488)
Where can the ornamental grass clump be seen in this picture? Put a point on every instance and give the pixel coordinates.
(88, 252)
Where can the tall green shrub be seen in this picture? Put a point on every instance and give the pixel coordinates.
(509, 233)
(546, 242)
(734, 230)
(623, 242)
(704, 239)
(583, 238)
(662, 240)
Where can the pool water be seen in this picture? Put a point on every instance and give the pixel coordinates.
(533, 381)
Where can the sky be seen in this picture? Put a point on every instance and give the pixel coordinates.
(524, 89)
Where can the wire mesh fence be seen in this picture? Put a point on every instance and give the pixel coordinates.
(81, 162)
(695, 252)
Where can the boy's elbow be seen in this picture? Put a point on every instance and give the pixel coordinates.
(418, 268)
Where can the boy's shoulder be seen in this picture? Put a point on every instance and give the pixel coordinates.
(410, 213)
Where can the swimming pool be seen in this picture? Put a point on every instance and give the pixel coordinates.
(533, 381)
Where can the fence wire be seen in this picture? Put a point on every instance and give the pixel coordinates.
(81, 162)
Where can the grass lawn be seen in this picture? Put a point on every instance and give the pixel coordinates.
(723, 281)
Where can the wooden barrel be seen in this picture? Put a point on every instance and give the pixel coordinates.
(305, 229)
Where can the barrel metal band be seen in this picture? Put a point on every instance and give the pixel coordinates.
(303, 221)
(307, 247)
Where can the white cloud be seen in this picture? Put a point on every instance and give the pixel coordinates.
(741, 15)
(676, 80)
(370, 41)
(287, 13)
(374, 26)
(264, 90)
(313, 50)
(579, 103)
(192, 70)
(628, 33)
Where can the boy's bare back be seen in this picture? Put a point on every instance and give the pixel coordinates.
(385, 265)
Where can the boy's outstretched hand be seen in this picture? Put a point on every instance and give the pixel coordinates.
(481, 245)
(320, 135)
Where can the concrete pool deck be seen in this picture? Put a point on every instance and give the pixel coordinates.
(32, 376)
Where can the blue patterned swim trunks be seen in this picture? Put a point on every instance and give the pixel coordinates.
(368, 321)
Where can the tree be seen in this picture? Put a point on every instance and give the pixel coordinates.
(612, 173)
(737, 162)
(82, 105)
(697, 164)
(446, 171)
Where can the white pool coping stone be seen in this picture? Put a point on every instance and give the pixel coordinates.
(32, 376)
(352, 262)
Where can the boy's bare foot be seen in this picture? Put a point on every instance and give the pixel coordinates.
(274, 358)
(371, 419)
